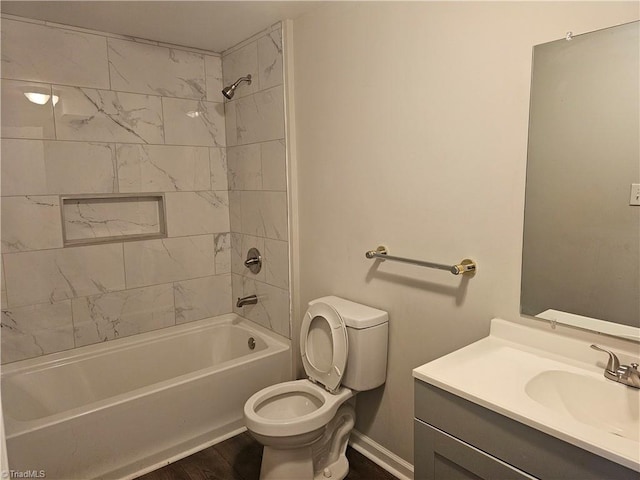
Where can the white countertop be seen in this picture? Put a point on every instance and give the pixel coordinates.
(494, 373)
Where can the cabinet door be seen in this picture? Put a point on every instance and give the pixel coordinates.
(439, 456)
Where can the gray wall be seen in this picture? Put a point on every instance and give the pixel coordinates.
(411, 124)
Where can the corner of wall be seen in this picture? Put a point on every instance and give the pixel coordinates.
(292, 182)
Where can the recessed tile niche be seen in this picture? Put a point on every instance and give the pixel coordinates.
(112, 218)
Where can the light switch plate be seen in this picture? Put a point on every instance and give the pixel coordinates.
(634, 199)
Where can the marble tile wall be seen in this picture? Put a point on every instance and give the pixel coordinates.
(257, 179)
(92, 113)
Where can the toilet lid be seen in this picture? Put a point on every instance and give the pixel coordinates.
(324, 345)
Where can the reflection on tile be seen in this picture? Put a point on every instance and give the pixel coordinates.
(213, 69)
(24, 118)
(166, 260)
(275, 302)
(65, 273)
(37, 167)
(276, 265)
(222, 245)
(257, 166)
(272, 309)
(168, 72)
(230, 123)
(31, 223)
(53, 55)
(36, 330)
(218, 159)
(3, 287)
(162, 168)
(245, 167)
(270, 59)
(235, 211)
(242, 287)
(202, 298)
(257, 118)
(236, 253)
(102, 218)
(191, 122)
(274, 166)
(102, 115)
(264, 214)
(99, 318)
(194, 213)
(241, 63)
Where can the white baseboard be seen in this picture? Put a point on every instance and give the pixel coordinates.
(381, 456)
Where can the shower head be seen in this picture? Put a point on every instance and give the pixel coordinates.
(230, 90)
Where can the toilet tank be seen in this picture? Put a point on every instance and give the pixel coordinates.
(368, 334)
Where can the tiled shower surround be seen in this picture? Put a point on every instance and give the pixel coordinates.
(257, 177)
(113, 116)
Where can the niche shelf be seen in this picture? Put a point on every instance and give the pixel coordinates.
(91, 219)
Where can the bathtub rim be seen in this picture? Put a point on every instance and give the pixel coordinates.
(14, 427)
(95, 349)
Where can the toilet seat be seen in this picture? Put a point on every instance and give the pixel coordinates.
(279, 395)
(324, 345)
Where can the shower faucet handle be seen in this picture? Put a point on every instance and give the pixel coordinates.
(253, 261)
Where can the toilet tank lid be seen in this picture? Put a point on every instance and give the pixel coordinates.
(355, 315)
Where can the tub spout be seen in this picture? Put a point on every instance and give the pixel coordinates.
(249, 300)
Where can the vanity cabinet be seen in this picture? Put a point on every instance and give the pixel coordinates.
(456, 439)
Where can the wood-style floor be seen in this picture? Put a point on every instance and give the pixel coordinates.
(239, 459)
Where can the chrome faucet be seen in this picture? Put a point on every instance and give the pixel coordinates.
(248, 300)
(625, 374)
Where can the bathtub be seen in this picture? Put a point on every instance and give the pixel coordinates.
(123, 408)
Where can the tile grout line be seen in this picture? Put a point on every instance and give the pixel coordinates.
(128, 92)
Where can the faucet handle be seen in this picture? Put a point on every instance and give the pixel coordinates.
(614, 364)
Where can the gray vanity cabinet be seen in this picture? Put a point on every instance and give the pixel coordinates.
(459, 440)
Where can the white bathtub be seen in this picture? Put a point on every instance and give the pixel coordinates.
(126, 407)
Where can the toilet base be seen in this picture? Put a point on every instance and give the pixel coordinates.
(286, 464)
(298, 465)
(322, 460)
(338, 470)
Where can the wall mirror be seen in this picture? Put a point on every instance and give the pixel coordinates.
(581, 245)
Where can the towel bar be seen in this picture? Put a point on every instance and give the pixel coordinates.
(466, 266)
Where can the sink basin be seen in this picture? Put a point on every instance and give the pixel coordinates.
(594, 401)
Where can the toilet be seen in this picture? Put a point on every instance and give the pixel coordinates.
(305, 425)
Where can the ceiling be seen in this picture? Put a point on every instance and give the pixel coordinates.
(210, 25)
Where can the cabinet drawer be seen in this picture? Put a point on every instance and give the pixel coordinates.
(443, 457)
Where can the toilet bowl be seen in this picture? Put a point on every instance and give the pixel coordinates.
(304, 425)
(292, 414)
